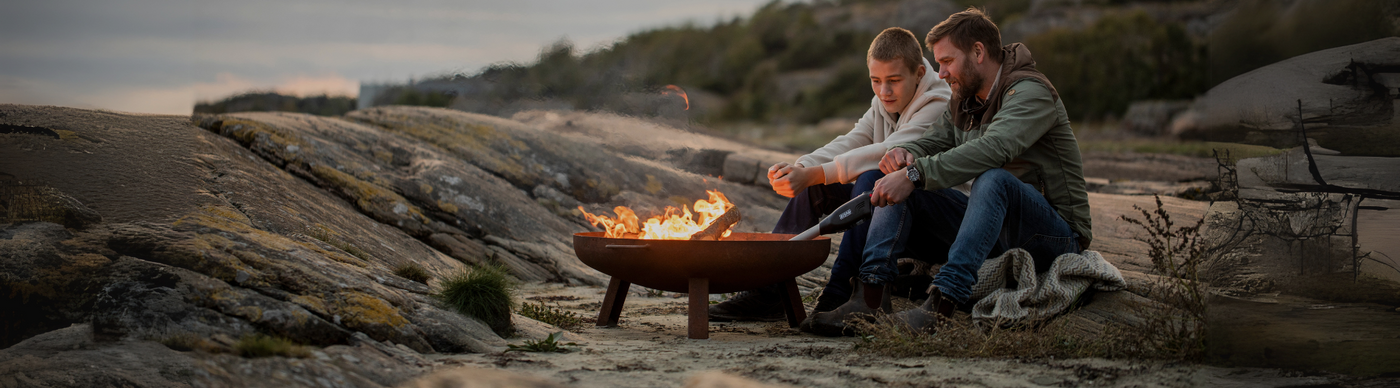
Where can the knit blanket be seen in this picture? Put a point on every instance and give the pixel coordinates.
(1038, 297)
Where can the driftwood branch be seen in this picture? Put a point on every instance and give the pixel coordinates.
(721, 224)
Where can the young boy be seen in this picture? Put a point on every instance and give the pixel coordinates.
(908, 98)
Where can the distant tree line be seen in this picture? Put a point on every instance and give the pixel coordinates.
(802, 62)
(322, 105)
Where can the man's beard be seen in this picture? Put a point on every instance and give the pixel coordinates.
(968, 83)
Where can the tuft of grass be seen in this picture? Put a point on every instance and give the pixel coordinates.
(186, 341)
(260, 345)
(563, 319)
(549, 344)
(321, 232)
(484, 293)
(414, 272)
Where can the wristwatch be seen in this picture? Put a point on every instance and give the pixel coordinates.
(914, 176)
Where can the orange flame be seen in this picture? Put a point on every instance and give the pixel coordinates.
(675, 224)
(676, 90)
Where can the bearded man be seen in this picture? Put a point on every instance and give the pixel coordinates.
(1007, 128)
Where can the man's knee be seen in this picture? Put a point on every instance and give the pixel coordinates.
(995, 177)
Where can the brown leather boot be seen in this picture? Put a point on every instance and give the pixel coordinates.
(925, 318)
(868, 299)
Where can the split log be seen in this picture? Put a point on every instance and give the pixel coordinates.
(721, 224)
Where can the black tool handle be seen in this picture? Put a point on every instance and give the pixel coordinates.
(848, 215)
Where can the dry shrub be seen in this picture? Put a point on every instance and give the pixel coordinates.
(1177, 331)
(560, 318)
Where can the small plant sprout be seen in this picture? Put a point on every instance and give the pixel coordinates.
(550, 344)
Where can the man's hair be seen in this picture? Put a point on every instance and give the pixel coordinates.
(966, 27)
(897, 43)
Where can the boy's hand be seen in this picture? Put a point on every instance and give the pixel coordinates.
(788, 180)
(777, 171)
(892, 189)
(896, 158)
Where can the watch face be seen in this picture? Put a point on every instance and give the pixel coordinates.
(913, 175)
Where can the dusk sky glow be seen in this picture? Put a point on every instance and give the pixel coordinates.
(160, 56)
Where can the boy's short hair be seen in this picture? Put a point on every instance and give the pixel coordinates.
(897, 43)
(966, 27)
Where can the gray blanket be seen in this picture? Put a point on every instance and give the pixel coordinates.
(1036, 298)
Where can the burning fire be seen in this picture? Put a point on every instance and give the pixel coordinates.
(676, 224)
(676, 90)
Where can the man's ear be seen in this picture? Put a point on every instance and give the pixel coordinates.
(979, 52)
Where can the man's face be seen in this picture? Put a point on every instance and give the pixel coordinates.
(893, 83)
(957, 68)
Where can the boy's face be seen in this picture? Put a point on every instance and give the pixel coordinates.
(894, 83)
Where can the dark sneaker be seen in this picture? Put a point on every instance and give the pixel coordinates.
(829, 301)
(760, 305)
(926, 318)
(833, 323)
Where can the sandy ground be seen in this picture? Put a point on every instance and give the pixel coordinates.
(649, 348)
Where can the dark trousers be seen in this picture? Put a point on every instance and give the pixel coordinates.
(807, 209)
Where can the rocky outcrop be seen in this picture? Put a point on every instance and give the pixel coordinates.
(1348, 97)
(192, 235)
(148, 228)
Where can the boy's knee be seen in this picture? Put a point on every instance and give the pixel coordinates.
(867, 179)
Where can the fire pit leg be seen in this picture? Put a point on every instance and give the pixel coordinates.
(792, 303)
(699, 313)
(612, 302)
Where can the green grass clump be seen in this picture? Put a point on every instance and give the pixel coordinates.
(483, 293)
(549, 344)
(414, 272)
(260, 345)
(566, 320)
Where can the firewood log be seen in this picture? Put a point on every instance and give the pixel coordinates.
(721, 224)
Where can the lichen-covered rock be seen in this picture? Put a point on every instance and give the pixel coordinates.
(201, 237)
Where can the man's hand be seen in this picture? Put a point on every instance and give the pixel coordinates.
(892, 189)
(896, 158)
(788, 180)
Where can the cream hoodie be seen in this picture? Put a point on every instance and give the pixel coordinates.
(849, 155)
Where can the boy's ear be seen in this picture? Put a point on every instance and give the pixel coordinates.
(919, 74)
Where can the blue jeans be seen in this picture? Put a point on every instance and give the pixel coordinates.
(806, 209)
(1001, 213)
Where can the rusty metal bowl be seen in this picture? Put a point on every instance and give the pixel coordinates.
(742, 261)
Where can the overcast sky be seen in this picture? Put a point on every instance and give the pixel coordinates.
(160, 56)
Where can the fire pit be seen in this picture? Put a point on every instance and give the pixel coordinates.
(741, 261)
